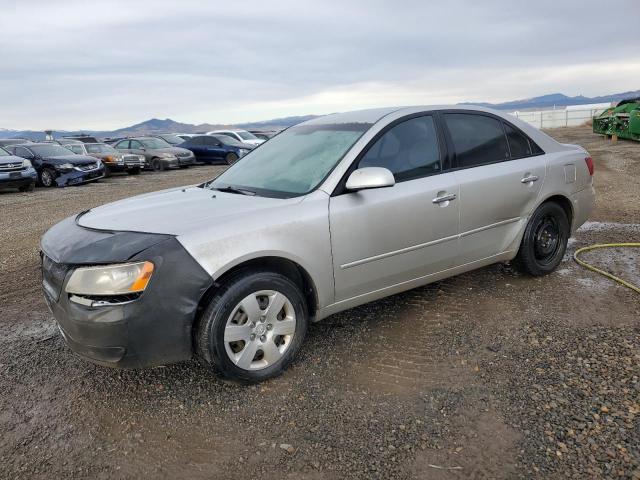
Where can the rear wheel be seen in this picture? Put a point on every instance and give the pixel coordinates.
(231, 158)
(47, 177)
(253, 326)
(545, 240)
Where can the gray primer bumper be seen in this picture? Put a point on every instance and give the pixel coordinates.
(152, 330)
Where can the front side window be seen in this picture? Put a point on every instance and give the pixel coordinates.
(123, 144)
(295, 162)
(477, 139)
(135, 144)
(410, 150)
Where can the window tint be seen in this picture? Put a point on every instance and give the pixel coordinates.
(22, 152)
(477, 139)
(75, 149)
(135, 144)
(409, 149)
(123, 144)
(518, 142)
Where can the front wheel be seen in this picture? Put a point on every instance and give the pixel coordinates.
(545, 240)
(157, 165)
(253, 327)
(47, 177)
(230, 158)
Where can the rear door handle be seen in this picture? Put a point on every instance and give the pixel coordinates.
(444, 198)
(529, 179)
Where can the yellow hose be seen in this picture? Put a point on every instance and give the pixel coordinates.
(588, 266)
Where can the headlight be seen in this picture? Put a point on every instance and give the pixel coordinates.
(141, 158)
(110, 280)
(65, 166)
(26, 164)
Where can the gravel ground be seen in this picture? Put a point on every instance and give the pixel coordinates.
(486, 375)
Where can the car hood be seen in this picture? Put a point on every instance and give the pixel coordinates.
(172, 150)
(176, 211)
(73, 159)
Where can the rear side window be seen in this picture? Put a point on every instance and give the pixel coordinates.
(518, 142)
(477, 139)
(409, 149)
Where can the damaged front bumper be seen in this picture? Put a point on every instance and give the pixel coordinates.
(77, 177)
(150, 329)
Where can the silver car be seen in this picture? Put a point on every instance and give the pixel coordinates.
(332, 213)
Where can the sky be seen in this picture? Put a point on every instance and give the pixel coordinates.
(106, 64)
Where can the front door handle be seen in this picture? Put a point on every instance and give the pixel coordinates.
(444, 198)
(529, 179)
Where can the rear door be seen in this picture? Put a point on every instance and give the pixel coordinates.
(500, 172)
(382, 238)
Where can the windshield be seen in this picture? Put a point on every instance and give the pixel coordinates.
(294, 162)
(99, 148)
(246, 135)
(172, 139)
(50, 150)
(3, 152)
(154, 143)
(227, 140)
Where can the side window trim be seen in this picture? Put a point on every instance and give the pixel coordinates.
(443, 148)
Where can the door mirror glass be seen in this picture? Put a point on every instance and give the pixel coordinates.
(370, 177)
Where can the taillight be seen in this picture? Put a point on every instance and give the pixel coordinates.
(589, 162)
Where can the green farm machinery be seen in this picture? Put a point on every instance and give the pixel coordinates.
(621, 121)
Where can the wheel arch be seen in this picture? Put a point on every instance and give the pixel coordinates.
(272, 263)
(564, 202)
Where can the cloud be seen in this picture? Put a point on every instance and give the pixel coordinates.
(108, 63)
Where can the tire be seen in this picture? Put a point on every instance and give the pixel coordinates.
(47, 178)
(247, 359)
(544, 241)
(157, 165)
(230, 158)
(107, 171)
(134, 171)
(28, 188)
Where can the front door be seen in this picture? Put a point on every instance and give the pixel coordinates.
(382, 238)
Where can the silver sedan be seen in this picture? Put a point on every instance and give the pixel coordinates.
(332, 213)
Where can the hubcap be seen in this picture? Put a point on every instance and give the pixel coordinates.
(260, 330)
(547, 239)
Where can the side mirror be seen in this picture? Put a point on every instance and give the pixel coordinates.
(370, 177)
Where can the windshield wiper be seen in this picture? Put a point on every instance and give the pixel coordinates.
(230, 189)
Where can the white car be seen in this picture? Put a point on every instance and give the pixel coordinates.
(239, 135)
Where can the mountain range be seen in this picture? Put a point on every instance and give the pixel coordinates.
(156, 125)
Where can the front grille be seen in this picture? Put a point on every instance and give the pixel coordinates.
(11, 167)
(53, 275)
(131, 160)
(91, 166)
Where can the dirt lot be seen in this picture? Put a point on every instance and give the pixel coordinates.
(486, 375)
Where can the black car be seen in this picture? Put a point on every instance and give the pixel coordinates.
(216, 148)
(57, 165)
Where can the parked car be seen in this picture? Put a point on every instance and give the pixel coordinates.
(239, 135)
(63, 141)
(170, 138)
(216, 148)
(158, 154)
(113, 160)
(5, 142)
(58, 166)
(332, 213)
(16, 172)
